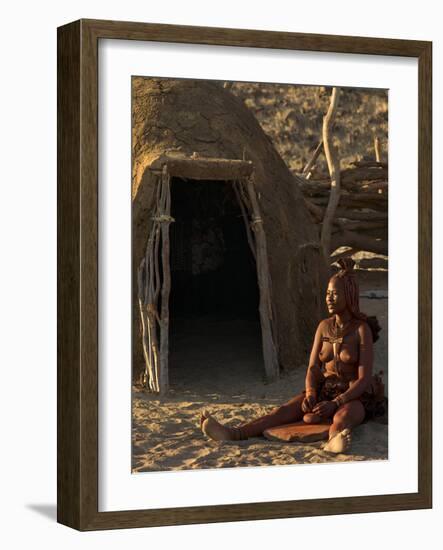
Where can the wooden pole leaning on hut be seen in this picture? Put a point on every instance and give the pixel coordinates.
(166, 285)
(148, 279)
(250, 199)
(148, 377)
(334, 171)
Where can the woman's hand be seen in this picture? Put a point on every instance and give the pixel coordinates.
(325, 408)
(308, 403)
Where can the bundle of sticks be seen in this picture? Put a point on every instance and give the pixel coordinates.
(361, 217)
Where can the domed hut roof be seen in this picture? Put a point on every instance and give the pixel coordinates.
(200, 121)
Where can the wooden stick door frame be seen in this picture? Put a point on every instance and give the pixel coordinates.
(247, 197)
(154, 273)
(154, 286)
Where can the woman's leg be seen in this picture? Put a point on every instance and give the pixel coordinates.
(285, 414)
(347, 417)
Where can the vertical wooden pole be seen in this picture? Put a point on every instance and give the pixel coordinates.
(166, 283)
(377, 148)
(148, 375)
(264, 283)
(149, 285)
(244, 210)
(334, 171)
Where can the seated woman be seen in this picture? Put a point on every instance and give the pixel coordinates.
(340, 387)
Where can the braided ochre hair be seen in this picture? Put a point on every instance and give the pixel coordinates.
(352, 294)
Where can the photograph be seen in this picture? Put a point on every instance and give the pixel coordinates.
(259, 274)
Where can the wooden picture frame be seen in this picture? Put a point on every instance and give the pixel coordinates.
(77, 457)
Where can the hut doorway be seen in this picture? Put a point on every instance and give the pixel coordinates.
(204, 285)
(214, 335)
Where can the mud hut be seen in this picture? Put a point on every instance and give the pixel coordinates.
(219, 225)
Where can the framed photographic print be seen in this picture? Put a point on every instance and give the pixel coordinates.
(244, 275)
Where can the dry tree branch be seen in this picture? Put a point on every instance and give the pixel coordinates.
(311, 163)
(377, 148)
(334, 172)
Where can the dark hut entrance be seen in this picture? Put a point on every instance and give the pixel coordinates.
(204, 286)
(214, 301)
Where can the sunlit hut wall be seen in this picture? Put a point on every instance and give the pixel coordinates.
(185, 118)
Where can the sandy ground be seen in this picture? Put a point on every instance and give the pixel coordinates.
(229, 382)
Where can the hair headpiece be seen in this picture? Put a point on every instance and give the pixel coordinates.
(352, 294)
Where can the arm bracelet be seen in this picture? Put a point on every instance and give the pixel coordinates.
(339, 400)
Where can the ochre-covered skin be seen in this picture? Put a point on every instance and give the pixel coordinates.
(186, 117)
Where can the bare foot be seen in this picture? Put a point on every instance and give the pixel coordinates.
(311, 418)
(339, 442)
(204, 415)
(215, 430)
